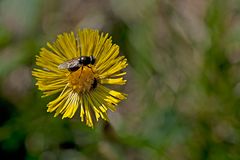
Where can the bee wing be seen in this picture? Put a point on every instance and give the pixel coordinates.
(63, 66)
(69, 64)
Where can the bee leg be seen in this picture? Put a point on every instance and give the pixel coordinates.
(81, 72)
(90, 68)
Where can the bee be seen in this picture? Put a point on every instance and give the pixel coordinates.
(75, 63)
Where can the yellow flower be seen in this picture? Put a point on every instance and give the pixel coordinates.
(77, 67)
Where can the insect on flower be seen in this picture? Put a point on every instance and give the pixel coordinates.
(77, 68)
(76, 63)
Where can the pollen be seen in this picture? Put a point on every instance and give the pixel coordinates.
(82, 80)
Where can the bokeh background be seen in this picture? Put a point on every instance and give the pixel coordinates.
(183, 80)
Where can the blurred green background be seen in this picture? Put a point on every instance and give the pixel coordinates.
(183, 80)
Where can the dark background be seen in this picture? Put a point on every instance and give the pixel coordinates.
(183, 80)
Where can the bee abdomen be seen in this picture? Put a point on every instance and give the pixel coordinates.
(72, 69)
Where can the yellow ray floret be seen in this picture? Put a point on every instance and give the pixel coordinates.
(81, 88)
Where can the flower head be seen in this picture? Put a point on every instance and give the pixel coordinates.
(77, 67)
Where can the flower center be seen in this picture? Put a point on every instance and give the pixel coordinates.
(82, 79)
